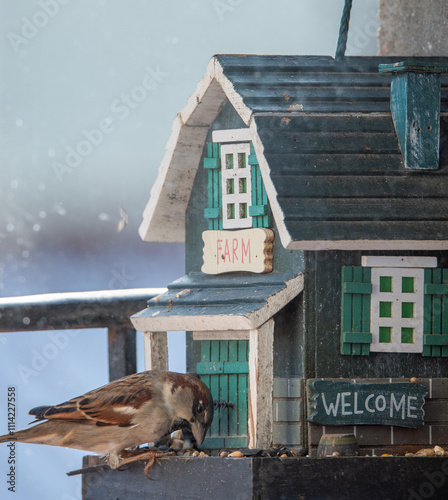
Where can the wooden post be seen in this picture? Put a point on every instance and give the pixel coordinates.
(156, 350)
(261, 381)
(122, 352)
(415, 107)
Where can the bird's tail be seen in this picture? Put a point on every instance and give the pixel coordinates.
(6, 438)
(39, 434)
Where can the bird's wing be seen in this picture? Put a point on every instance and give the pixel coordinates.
(113, 404)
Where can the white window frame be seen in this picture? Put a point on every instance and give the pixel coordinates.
(235, 206)
(396, 297)
(397, 268)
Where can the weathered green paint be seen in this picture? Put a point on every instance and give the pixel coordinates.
(356, 337)
(224, 368)
(355, 311)
(435, 340)
(260, 210)
(350, 403)
(212, 163)
(415, 107)
(435, 313)
(440, 289)
(212, 213)
(361, 288)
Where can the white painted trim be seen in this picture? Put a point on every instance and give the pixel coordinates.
(231, 135)
(222, 335)
(236, 198)
(271, 192)
(261, 383)
(405, 261)
(155, 345)
(234, 97)
(251, 321)
(164, 215)
(396, 297)
(351, 245)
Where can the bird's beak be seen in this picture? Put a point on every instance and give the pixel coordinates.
(199, 431)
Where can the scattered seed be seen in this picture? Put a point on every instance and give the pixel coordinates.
(236, 454)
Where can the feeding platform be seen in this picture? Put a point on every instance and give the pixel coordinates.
(369, 478)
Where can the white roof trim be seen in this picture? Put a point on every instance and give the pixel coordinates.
(164, 215)
(277, 212)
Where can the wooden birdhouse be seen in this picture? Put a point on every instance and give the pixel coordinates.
(312, 196)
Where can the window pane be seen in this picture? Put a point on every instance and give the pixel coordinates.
(407, 309)
(242, 185)
(241, 160)
(243, 210)
(407, 284)
(229, 161)
(385, 309)
(385, 283)
(407, 335)
(385, 334)
(230, 211)
(230, 186)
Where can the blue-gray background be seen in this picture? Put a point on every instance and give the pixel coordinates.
(67, 68)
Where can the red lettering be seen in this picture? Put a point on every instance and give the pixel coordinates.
(226, 251)
(245, 251)
(218, 250)
(234, 249)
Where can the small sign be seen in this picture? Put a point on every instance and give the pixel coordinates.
(244, 250)
(349, 403)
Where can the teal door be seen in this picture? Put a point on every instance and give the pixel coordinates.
(224, 367)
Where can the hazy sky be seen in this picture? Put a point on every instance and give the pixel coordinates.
(79, 139)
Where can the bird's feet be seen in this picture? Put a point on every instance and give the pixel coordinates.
(127, 456)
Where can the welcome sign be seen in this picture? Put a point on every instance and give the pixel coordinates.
(350, 403)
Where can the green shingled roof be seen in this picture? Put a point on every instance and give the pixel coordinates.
(325, 140)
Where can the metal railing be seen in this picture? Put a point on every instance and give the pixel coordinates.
(109, 309)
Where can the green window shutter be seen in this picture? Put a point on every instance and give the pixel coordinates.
(212, 164)
(355, 310)
(224, 367)
(260, 210)
(435, 313)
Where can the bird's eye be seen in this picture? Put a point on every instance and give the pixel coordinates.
(200, 408)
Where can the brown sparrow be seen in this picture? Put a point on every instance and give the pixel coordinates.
(128, 412)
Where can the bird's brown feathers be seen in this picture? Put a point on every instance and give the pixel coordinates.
(134, 410)
(115, 406)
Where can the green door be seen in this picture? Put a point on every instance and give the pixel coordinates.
(224, 368)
